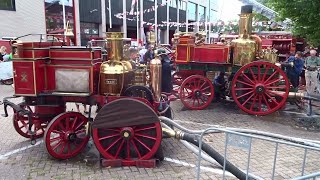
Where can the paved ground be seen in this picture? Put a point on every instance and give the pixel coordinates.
(19, 160)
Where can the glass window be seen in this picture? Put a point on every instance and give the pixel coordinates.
(201, 14)
(173, 3)
(192, 11)
(7, 5)
(183, 5)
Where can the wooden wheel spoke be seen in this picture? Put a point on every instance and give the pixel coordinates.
(243, 95)
(246, 101)
(253, 75)
(198, 101)
(74, 123)
(204, 83)
(58, 132)
(79, 126)
(119, 148)
(260, 103)
(111, 145)
(63, 147)
(57, 145)
(205, 88)
(243, 89)
(135, 147)
(259, 71)
(265, 73)
(145, 136)
(110, 136)
(146, 128)
(277, 87)
(272, 82)
(67, 121)
(144, 145)
(248, 79)
(266, 101)
(242, 82)
(128, 149)
(55, 139)
(270, 77)
(253, 102)
(271, 98)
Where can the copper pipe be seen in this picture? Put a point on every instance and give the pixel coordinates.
(169, 132)
(155, 77)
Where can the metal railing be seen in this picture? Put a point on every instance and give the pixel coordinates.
(244, 141)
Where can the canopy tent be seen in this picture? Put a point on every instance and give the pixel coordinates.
(260, 8)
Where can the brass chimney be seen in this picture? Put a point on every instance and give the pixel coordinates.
(245, 48)
(115, 45)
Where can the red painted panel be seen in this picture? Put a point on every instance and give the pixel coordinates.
(211, 55)
(24, 77)
(182, 53)
(64, 54)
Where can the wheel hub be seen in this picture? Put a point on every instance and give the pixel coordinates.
(197, 93)
(71, 137)
(127, 133)
(260, 89)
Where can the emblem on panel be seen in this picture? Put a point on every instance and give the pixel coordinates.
(24, 77)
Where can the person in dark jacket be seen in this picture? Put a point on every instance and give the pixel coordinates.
(166, 81)
(219, 84)
(294, 69)
(149, 55)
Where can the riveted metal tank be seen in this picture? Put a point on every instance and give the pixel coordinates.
(245, 48)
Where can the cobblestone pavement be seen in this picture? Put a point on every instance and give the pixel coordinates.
(19, 160)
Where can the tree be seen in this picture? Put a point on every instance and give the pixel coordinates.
(304, 15)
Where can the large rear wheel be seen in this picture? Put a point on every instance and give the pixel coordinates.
(260, 88)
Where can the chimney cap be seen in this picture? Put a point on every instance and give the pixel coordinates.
(247, 9)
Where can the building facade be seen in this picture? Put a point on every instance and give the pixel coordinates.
(19, 17)
(94, 17)
(90, 19)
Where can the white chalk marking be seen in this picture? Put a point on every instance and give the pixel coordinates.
(6, 155)
(209, 169)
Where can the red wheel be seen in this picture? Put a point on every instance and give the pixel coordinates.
(66, 135)
(128, 143)
(20, 123)
(260, 88)
(196, 92)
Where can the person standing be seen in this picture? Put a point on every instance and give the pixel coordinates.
(3, 52)
(166, 79)
(149, 55)
(311, 72)
(295, 69)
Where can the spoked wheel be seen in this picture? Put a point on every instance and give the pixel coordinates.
(196, 92)
(20, 123)
(66, 135)
(139, 142)
(260, 88)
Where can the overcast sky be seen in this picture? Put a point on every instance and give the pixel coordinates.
(229, 9)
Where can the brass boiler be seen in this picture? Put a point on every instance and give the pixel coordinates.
(156, 77)
(115, 74)
(247, 48)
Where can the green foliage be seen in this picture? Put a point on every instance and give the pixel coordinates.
(304, 15)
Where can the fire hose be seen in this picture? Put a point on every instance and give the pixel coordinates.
(271, 135)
